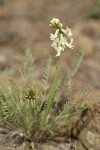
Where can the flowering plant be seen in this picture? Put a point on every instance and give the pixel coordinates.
(29, 109)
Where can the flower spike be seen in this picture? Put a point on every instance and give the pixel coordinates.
(61, 39)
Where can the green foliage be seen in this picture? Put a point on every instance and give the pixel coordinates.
(32, 111)
(3, 2)
(97, 1)
(27, 72)
(45, 82)
(10, 114)
(95, 13)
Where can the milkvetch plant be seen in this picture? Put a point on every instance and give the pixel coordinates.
(59, 42)
(29, 109)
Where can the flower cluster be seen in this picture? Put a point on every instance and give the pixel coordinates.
(56, 23)
(61, 38)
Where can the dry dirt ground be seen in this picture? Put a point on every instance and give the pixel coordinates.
(25, 24)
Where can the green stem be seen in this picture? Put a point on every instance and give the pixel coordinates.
(51, 99)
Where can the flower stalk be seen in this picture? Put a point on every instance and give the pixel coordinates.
(50, 102)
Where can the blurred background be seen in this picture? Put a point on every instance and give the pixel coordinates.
(25, 24)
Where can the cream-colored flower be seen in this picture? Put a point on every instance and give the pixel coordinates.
(59, 49)
(61, 39)
(68, 32)
(56, 23)
(69, 45)
(54, 36)
(64, 31)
